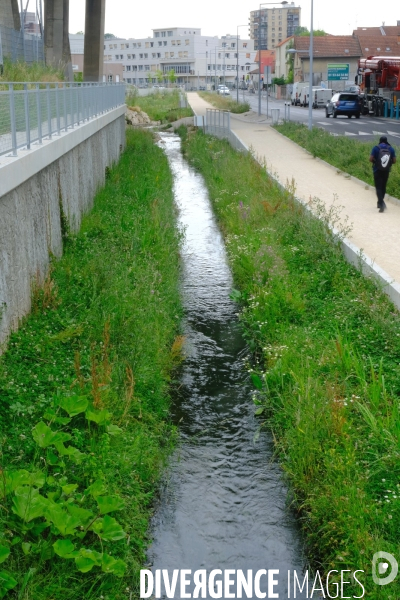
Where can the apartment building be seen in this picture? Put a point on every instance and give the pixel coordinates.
(270, 26)
(196, 59)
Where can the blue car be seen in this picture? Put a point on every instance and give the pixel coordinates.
(343, 103)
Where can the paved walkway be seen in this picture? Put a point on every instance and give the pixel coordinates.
(377, 234)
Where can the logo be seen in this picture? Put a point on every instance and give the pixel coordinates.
(380, 566)
(385, 160)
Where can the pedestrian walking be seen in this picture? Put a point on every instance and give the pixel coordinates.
(382, 158)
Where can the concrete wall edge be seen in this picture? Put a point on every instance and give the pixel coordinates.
(15, 170)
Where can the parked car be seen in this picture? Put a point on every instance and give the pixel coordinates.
(223, 90)
(343, 103)
(353, 89)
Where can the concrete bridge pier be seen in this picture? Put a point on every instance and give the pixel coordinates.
(9, 14)
(94, 40)
(56, 40)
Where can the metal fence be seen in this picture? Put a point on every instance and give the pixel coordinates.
(218, 123)
(19, 45)
(30, 112)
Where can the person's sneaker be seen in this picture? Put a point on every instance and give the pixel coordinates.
(381, 209)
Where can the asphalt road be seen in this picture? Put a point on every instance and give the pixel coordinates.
(365, 129)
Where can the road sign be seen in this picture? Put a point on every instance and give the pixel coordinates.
(338, 71)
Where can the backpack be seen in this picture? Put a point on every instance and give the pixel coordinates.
(384, 160)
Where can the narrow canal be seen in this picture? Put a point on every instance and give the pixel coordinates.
(223, 503)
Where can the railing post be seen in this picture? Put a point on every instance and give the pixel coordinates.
(39, 113)
(77, 105)
(27, 120)
(64, 88)
(12, 119)
(48, 110)
(58, 109)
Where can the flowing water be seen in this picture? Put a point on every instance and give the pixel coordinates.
(223, 503)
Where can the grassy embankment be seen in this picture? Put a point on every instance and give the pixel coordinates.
(350, 156)
(160, 106)
(21, 71)
(225, 103)
(84, 395)
(326, 343)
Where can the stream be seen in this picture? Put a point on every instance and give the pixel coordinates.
(223, 500)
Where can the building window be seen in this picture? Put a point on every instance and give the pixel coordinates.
(157, 34)
(186, 42)
(153, 55)
(146, 55)
(165, 43)
(244, 44)
(134, 45)
(128, 67)
(248, 55)
(178, 42)
(171, 54)
(147, 44)
(133, 55)
(147, 67)
(169, 33)
(139, 44)
(140, 67)
(160, 43)
(163, 34)
(151, 44)
(158, 54)
(109, 78)
(206, 42)
(140, 55)
(233, 45)
(129, 56)
(167, 55)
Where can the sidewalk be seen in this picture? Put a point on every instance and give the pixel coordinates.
(376, 234)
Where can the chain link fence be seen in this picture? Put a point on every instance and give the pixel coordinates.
(218, 123)
(20, 45)
(30, 112)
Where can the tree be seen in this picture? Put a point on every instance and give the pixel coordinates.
(279, 80)
(304, 32)
(159, 76)
(171, 76)
(79, 33)
(290, 62)
(109, 36)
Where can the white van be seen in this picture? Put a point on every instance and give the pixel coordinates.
(320, 96)
(298, 92)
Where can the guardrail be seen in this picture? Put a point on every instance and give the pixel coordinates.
(31, 112)
(218, 123)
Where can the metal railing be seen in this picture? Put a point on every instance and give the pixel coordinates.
(218, 123)
(30, 112)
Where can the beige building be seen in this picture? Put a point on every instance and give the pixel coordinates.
(281, 60)
(340, 49)
(113, 71)
(276, 24)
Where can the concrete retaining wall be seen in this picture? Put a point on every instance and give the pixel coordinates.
(59, 177)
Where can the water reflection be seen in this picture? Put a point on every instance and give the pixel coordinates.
(223, 501)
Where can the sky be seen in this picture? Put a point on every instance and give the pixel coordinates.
(127, 18)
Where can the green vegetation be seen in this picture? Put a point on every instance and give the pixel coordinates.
(160, 106)
(21, 71)
(84, 394)
(347, 155)
(305, 32)
(224, 103)
(326, 346)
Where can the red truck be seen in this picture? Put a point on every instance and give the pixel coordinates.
(379, 80)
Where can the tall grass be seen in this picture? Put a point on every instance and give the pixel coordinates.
(160, 106)
(325, 362)
(22, 71)
(224, 103)
(103, 327)
(350, 156)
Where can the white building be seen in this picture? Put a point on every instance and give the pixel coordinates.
(197, 60)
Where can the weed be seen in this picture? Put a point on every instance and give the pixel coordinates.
(84, 395)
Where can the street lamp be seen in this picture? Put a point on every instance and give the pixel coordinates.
(237, 61)
(292, 50)
(259, 50)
